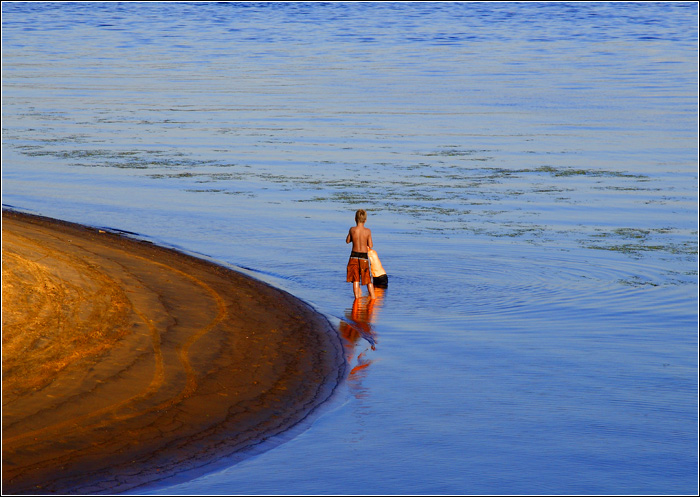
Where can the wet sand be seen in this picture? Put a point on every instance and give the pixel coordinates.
(125, 363)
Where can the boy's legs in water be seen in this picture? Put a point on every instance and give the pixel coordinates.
(357, 290)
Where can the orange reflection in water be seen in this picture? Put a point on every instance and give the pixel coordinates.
(357, 327)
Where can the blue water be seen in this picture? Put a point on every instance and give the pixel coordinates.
(530, 171)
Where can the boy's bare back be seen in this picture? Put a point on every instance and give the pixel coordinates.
(360, 237)
(358, 266)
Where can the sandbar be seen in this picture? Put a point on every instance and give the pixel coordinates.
(126, 363)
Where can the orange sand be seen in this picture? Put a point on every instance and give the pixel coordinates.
(125, 363)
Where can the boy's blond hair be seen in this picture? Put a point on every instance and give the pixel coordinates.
(360, 216)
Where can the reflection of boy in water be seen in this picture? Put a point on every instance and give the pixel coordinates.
(358, 326)
(358, 265)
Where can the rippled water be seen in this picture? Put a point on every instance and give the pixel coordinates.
(530, 172)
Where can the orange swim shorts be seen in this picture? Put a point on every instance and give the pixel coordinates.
(358, 268)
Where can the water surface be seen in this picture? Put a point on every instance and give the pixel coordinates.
(530, 173)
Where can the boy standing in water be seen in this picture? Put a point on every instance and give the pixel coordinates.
(358, 265)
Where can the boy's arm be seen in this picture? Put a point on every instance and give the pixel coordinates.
(348, 239)
(369, 241)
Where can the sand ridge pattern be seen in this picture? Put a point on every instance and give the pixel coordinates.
(125, 363)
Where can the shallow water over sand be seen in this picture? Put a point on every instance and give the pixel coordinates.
(530, 173)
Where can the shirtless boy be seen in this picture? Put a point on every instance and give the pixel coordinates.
(358, 265)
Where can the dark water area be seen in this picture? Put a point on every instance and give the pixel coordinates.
(530, 171)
